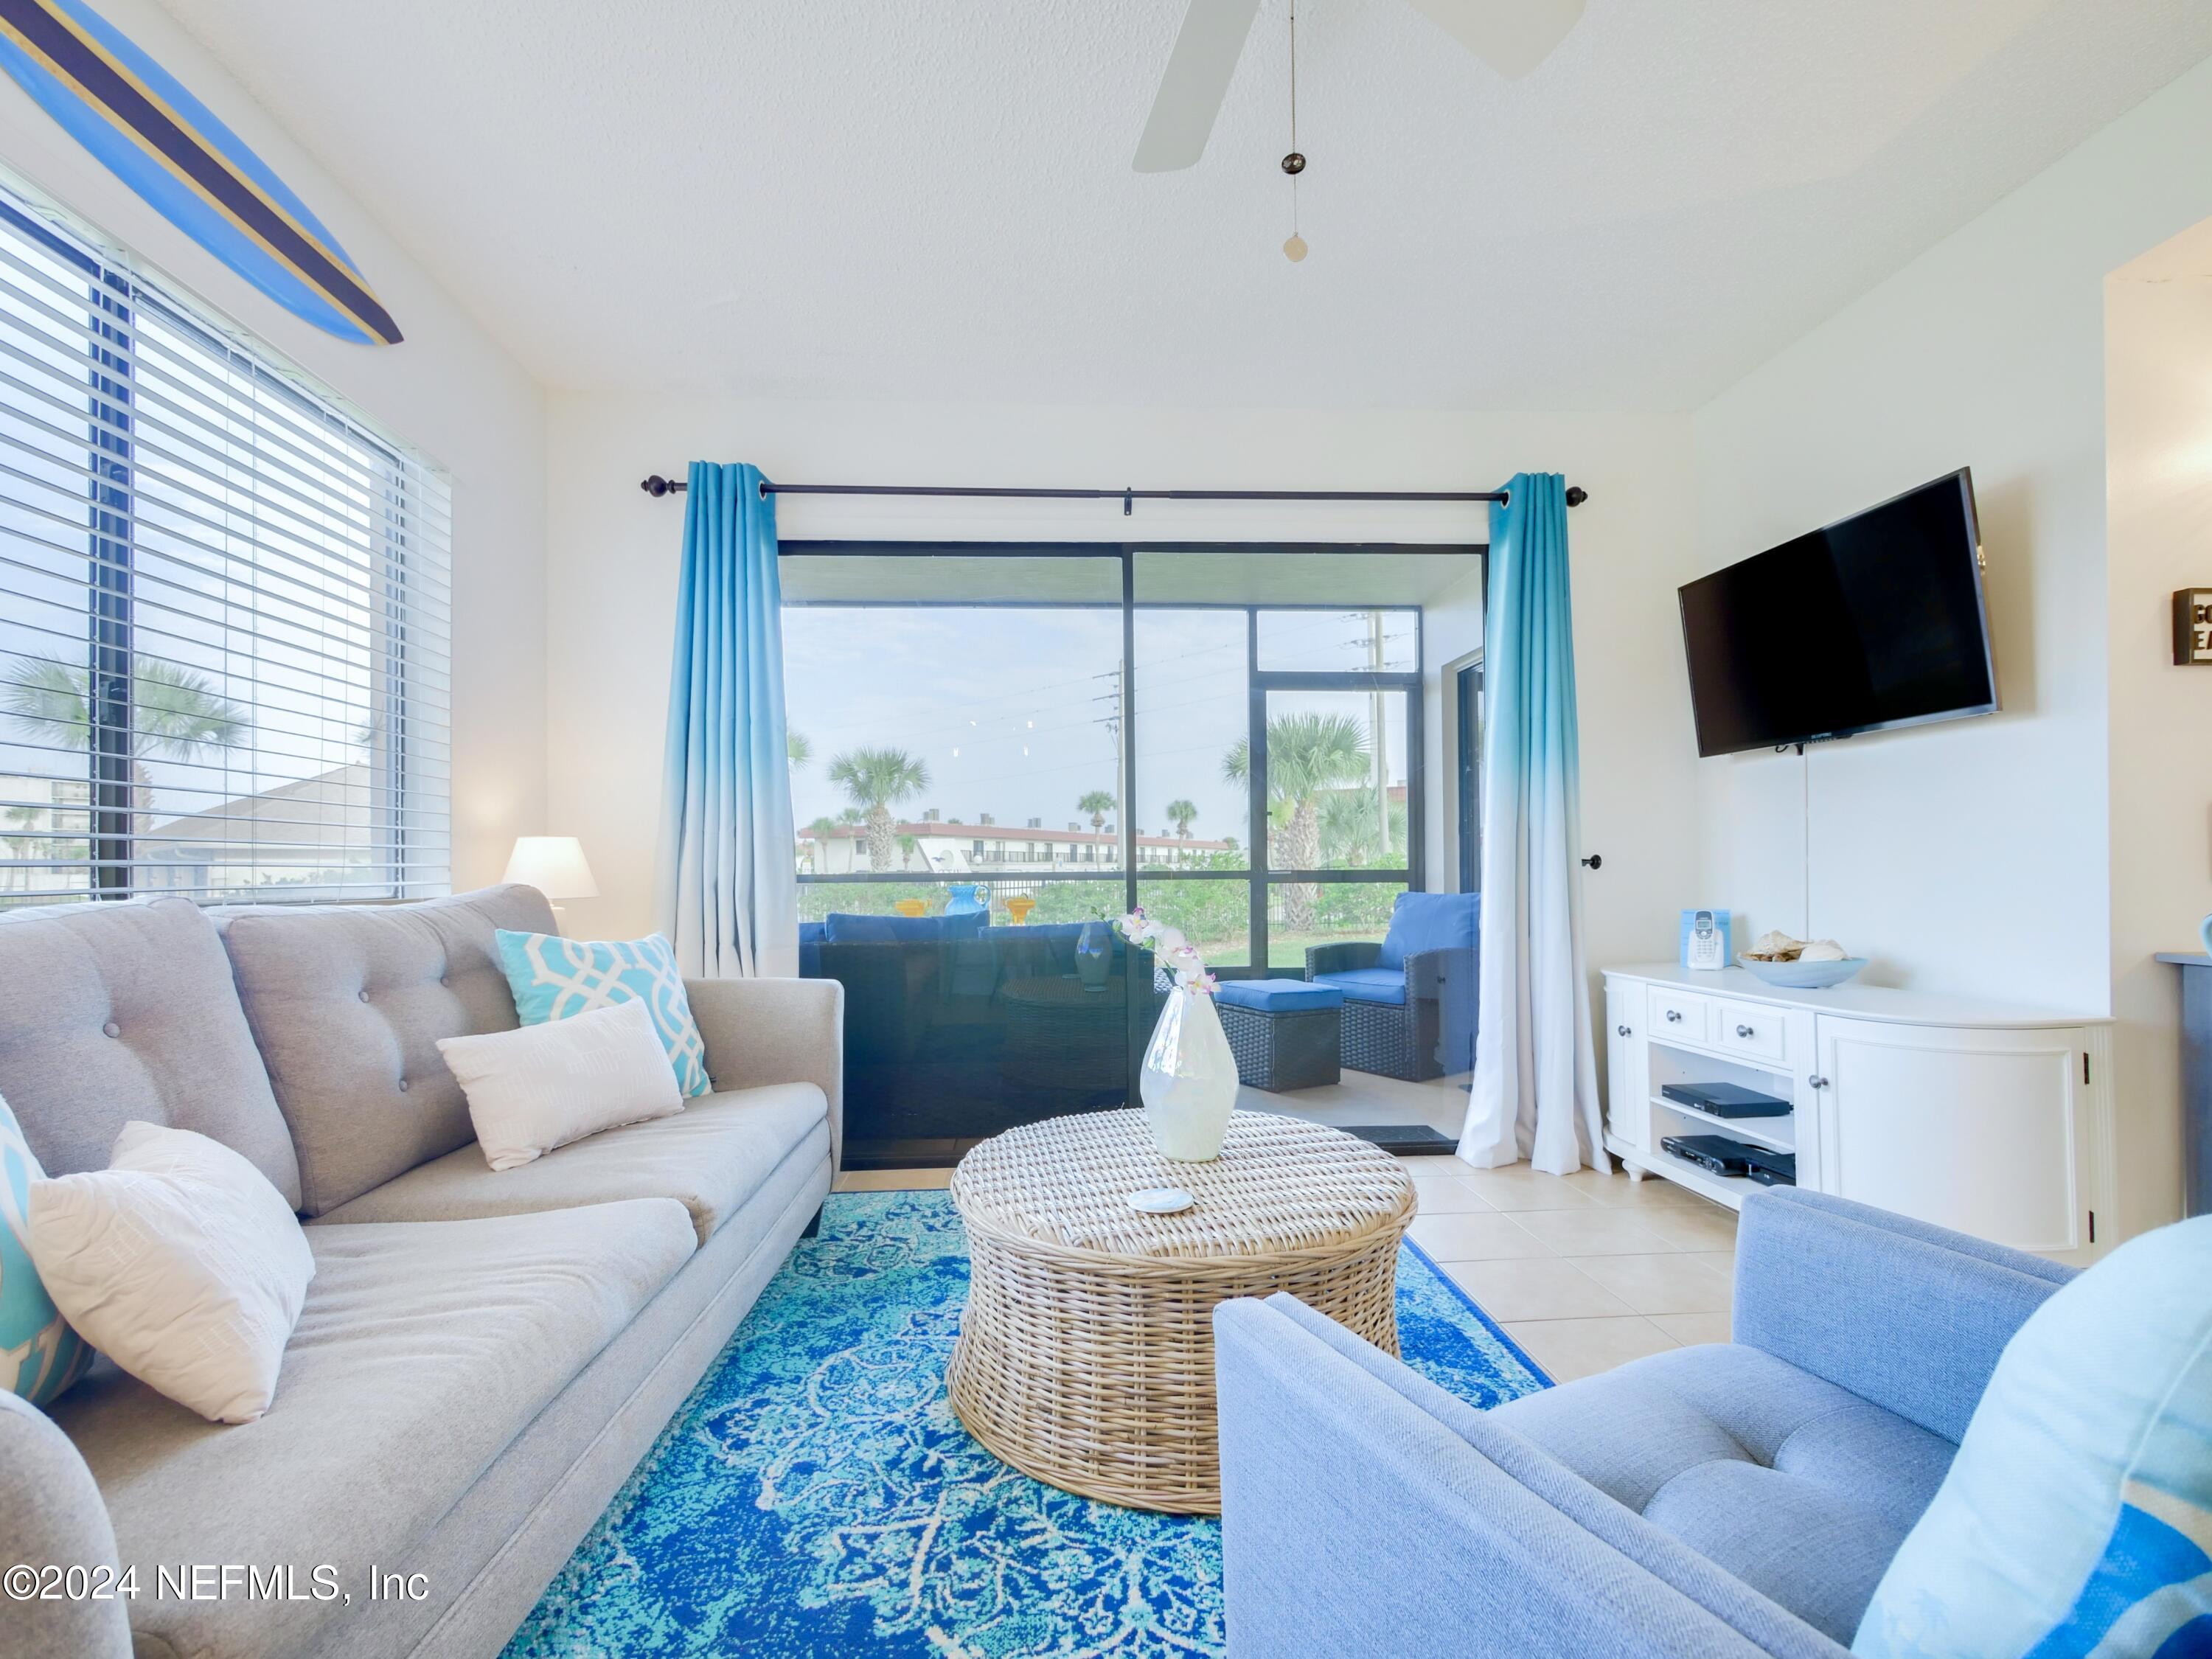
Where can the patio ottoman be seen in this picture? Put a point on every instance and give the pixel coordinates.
(1283, 1032)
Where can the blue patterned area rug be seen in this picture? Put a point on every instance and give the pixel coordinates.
(816, 1497)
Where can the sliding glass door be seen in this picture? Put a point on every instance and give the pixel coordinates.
(1279, 694)
(958, 739)
(997, 749)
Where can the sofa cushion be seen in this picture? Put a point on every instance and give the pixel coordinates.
(41, 1352)
(846, 929)
(180, 1263)
(347, 1003)
(422, 1351)
(555, 978)
(116, 1012)
(711, 1156)
(540, 1088)
(1368, 984)
(1429, 921)
(1799, 1488)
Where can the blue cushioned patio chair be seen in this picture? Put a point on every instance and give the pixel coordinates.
(1721, 1502)
(1409, 1001)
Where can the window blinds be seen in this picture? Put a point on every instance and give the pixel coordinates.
(224, 608)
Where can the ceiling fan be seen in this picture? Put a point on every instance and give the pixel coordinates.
(1511, 36)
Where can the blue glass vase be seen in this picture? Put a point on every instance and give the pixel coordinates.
(1094, 955)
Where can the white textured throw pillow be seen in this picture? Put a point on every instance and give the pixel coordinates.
(541, 1086)
(181, 1263)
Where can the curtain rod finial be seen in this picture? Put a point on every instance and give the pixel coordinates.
(1577, 494)
(657, 485)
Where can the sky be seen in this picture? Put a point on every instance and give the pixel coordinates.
(1011, 709)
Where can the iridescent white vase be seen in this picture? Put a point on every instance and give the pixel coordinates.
(1189, 1080)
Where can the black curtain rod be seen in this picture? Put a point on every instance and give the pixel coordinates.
(657, 485)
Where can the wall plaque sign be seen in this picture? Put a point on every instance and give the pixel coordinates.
(2192, 625)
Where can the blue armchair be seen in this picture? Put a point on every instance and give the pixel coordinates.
(1409, 1001)
(1721, 1502)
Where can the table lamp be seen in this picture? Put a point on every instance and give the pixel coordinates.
(554, 865)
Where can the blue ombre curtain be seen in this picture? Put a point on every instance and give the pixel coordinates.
(727, 884)
(1534, 1094)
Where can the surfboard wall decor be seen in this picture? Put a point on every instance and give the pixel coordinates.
(166, 145)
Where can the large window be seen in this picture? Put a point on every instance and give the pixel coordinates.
(1238, 746)
(1005, 745)
(223, 607)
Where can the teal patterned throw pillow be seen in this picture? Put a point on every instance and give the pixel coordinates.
(39, 1354)
(554, 977)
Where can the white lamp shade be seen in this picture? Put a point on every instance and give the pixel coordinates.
(554, 865)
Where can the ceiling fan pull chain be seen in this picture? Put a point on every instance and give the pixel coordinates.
(1295, 249)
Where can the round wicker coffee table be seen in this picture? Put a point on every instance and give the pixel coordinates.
(1086, 1355)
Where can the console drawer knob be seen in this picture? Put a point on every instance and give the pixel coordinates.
(1743, 1030)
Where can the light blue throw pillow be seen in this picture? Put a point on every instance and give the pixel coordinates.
(39, 1354)
(2076, 1519)
(553, 978)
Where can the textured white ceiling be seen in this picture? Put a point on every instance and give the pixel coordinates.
(932, 199)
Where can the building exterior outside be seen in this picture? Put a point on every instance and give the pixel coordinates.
(934, 847)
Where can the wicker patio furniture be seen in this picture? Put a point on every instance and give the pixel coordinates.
(1409, 1001)
(1085, 1356)
(1285, 1032)
(1060, 1034)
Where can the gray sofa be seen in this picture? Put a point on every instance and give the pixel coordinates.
(483, 1357)
(1723, 1502)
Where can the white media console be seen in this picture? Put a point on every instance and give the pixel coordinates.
(1994, 1120)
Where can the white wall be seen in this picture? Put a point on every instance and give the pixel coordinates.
(1451, 627)
(1977, 856)
(614, 552)
(2159, 467)
(447, 390)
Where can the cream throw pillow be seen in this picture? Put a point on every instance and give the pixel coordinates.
(542, 1086)
(181, 1263)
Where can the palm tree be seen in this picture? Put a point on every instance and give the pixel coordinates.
(821, 830)
(1098, 803)
(908, 846)
(1349, 832)
(1180, 814)
(1307, 755)
(875, 781)
(175, 714)
(797, 749)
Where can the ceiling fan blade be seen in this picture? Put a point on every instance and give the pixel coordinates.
(1197, 79)
(1511, 36)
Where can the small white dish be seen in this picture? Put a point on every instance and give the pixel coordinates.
(1161, 1200)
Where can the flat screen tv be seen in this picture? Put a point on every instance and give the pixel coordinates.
(1877, 621)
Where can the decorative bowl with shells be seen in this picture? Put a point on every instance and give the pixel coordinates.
(1804, 975)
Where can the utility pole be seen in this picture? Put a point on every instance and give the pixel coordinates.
(1375, 742)
(1115, 722)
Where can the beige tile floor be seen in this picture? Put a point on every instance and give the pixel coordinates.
(1584, 1271)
